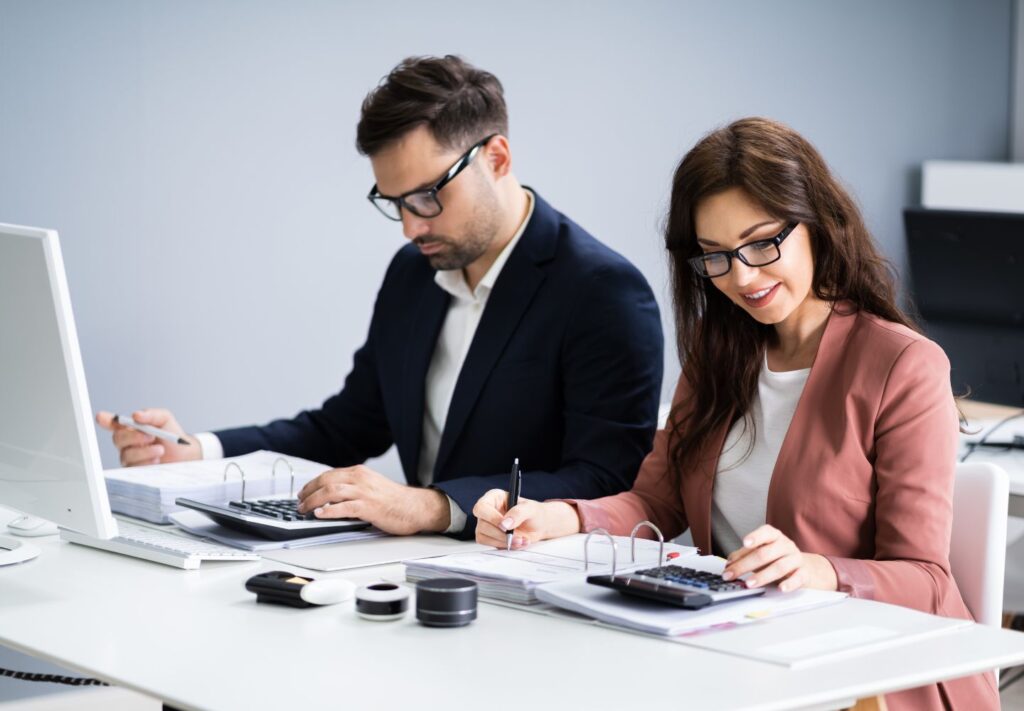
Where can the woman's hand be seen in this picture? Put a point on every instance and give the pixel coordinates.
(771, 557)
(533, 521)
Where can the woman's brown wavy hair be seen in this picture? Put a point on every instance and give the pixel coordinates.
(721, 348)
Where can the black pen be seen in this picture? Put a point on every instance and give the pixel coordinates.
(515, 483)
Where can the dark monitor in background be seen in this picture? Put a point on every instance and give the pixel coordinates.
(967, 274)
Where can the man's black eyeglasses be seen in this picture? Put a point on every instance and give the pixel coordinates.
(753, 254)
(424, 202)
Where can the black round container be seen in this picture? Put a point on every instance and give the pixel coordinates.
(382, 601)
(446, 602)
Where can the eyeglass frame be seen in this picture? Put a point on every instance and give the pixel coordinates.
(461, 164)
(698, 262)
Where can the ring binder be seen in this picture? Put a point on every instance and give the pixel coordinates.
(586, 544)
(241, 473)
(632, 545)
(273, 474)
(632, 541)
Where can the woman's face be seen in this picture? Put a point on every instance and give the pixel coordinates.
(770, 293)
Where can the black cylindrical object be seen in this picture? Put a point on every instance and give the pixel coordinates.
(382, 601)
(446, 602)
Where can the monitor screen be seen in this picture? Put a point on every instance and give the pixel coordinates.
(967, 270)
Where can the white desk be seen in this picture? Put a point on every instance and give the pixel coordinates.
(198, 640)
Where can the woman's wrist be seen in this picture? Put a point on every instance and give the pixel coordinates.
(563, 519)
(824, 575)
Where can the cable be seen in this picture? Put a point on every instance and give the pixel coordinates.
(973, 446)
(52, 678)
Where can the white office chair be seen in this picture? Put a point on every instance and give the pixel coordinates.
(977, 550)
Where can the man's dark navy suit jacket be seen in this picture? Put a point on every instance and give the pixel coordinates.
(564, 372)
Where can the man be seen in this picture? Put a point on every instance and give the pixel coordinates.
(502, 331)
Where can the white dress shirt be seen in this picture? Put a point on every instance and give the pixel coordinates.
(740, 499)
(460, 323)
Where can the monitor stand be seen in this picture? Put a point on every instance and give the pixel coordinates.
(13, 551)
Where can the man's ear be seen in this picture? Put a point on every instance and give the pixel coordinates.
(498, 156)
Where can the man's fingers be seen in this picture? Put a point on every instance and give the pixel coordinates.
(136, 456)
(106, 420)
(344, 509)
(331, 493)
(125, 437)
(325, 480)
(155, 416)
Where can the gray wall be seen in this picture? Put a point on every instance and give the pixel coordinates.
(198, 161)
(197, 156)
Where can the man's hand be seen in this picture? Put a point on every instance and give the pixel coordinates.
(138, 448)
(359, 492)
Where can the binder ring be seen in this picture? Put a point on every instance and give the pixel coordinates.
(632, 541)
(241, 473)
(273, 475)
(586, 545)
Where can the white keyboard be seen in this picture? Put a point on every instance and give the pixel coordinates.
(159, 546)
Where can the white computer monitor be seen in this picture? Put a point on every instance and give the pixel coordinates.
(49, 460)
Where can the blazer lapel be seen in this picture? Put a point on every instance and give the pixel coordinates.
(429, 318)
(505, 307)
(825, 365)
(513, 291)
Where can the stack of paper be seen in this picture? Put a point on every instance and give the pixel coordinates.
(513, 576)
(148, 493)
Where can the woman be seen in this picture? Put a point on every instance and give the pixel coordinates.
(813, 432)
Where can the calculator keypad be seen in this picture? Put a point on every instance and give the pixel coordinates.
(697, 579)
(281, 509)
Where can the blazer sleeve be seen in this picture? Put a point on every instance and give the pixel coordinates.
(349, 428)
(656, 495)
(611, 362)
(914, 460)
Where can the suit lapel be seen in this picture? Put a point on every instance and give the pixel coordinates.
(506, 305)
(426, 326)
(513, 291)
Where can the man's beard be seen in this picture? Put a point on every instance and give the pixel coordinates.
(480, 232)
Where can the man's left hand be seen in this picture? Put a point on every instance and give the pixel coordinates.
(359, 492)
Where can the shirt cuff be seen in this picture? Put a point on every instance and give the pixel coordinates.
(458, 517)
(211, 448)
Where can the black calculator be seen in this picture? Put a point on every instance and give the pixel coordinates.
(677, 586)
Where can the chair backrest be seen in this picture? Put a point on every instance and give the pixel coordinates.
(977, 551)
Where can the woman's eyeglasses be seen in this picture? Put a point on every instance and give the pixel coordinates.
(753, 254)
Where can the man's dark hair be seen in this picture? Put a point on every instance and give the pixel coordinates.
(459, 103)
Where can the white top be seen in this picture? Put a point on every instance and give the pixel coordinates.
(740, 498)
(460, 324)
